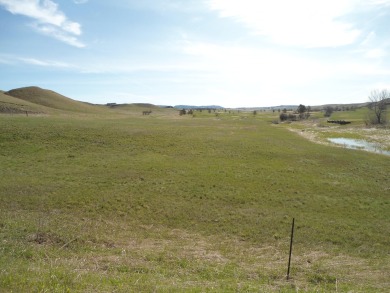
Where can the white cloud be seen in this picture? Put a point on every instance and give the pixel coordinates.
(12, 59)
(239, 72)
(303, 23)
(376, 53)
(44, 63)
(60, 35)
(255, 65)
(380, 2)
(369, 39)
(49, 19)
(374, 47)
(80, 1)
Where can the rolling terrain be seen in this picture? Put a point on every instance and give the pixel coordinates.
(49, 99)
(102, 199)
(9, 104)
(35, 100)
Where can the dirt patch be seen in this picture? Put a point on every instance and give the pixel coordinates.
(317, 134)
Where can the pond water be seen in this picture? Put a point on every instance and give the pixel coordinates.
(359, 144)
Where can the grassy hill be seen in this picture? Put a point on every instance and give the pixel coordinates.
(35, 100)
(10, 104)
(50, 100)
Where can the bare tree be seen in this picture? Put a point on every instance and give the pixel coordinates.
(377, 105)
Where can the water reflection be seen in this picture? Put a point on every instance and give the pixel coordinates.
(359, 144)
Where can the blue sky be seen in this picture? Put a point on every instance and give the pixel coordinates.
(198, 52)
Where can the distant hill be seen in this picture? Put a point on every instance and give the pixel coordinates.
(37, 100)
(270, 108)
(49, 99)
(198, 107)
(141, 105)
(339, 106)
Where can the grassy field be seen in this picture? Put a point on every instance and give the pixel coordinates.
(115, 201)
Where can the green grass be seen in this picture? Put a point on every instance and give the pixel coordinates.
(358, 117)
(122, 202)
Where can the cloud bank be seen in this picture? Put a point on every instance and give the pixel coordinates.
(49, 20)
(300, 23)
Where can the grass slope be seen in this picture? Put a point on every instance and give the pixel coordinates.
(173, 204)
(35, 100)
(9, 104)
(50, 99)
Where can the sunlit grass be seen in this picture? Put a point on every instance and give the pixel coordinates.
(169, 203)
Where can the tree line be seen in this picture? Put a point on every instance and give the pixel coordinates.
(377, 105)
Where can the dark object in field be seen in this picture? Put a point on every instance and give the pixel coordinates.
(341, 122)
(291, 246)
(146, 112)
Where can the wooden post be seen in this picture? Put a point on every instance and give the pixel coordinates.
(291, 245)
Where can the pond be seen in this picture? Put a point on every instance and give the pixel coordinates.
(359, 144)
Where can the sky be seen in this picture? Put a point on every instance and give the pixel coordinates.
(232, 53)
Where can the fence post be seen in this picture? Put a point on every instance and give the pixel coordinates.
(291, 245)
